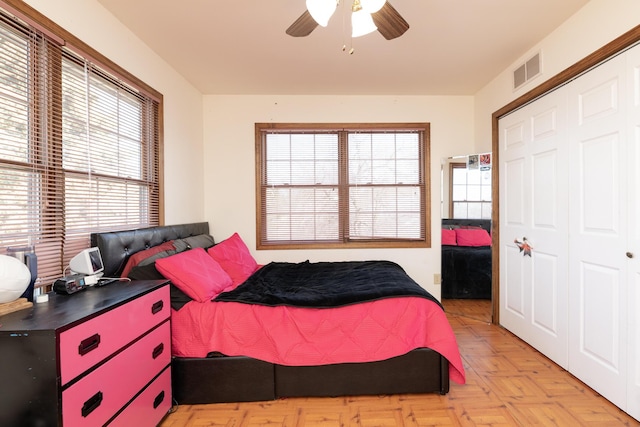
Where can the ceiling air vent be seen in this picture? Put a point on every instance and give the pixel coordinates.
(527, 71)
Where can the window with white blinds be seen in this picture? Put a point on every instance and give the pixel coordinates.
(337, 185)
(79, 148)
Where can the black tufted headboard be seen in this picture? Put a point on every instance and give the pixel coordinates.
(117, 246)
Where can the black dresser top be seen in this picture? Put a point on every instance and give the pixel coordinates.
(63, 311)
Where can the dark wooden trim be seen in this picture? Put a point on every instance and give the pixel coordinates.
(609, 50)
(313, 127)
(452, 166)
(261, 128)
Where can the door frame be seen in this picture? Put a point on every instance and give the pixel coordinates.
(616, 46)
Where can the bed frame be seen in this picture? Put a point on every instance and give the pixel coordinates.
(243, 379)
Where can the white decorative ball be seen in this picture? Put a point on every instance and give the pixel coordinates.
(14, 278)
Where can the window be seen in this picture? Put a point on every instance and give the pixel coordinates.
(342, 185)
(79, 145)
(470, 192)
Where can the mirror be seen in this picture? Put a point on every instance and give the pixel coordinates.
(466, 195)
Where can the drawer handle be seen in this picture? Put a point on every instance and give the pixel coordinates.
(157, 306)
(158, 350)
(91, 404)
(158, 400)
(89, 344)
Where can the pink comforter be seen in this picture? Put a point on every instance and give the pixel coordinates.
(284, 335)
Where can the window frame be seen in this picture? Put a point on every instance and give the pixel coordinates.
(261, 129)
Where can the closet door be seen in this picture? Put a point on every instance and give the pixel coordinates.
(533, 206)
(633, 169)
(598, 230)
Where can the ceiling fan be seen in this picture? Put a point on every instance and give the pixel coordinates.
(367, 16)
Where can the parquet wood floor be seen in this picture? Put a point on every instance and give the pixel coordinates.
(508, 384)
(479, 309)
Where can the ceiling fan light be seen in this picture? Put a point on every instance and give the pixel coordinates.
(321, 10)
(372, 6)
(362, 24)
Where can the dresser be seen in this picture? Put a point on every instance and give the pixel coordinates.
(99, 356)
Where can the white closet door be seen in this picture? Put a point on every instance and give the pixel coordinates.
(534, 203)
(597, 230)
(633, 169)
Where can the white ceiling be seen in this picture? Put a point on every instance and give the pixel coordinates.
(454, 47)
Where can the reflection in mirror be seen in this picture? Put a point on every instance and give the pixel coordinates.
(466, 195)
(466, 187)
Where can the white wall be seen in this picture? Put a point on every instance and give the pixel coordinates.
(230, 161)
(596, 24)
(183, 148)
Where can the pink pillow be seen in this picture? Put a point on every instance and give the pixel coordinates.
(448, 237)
(195, 273)
(472, 237)
(234, 257)
(138, 257)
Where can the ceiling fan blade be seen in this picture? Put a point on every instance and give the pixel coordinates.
(389, 22)
(303, 26)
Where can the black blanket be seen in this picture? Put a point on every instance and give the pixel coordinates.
(325, 284)
(466, 272)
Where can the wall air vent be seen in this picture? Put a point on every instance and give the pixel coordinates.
(527, 71)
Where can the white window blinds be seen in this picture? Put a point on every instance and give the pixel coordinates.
(79, 149)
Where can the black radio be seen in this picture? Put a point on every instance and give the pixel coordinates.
(70, 284)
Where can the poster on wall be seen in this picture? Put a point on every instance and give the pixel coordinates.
(472, 162)
(485, 161)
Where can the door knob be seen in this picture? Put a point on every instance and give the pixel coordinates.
(629, 254)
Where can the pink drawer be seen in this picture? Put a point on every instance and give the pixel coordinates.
(150, 407)
(89, 343)
(99, 395)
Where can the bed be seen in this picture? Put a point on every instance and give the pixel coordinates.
(209, 367)
(466, 264)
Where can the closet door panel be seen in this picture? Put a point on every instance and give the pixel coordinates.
(547, 294)
(633, 170)
(545, 190)
(545, 308)
(597, 230)
(514, 190)
(515, 272)
(514, 313)
(600, 335)
(598, 198)
(548, 193)
(534, 207)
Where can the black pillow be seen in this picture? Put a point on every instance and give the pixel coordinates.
(178, 298)
(145, 272)
(200, 241)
